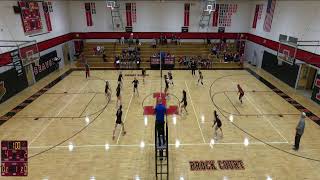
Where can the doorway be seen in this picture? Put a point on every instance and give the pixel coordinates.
(306, 79)
(66, 57)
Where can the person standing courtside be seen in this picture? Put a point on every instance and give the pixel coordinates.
(120, 78)
(87, 69)
(160, 111)
(299, 131)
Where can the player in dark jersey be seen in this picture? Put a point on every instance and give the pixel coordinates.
(118, 93)
(120, 78)
(184, 101)
(240, 92)
(143, 71)
(87, 69)
(135, 83)
(167, 85)
(200, 78)
(107, 90)
(217, 124)
(170, 77)
(119, 122)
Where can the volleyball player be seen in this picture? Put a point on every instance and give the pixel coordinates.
(200, 78)
(143, 71)
(87, 69)
(240, 92)
(217, 124)
(120, 78)
(184, 101)
(119, 122)
(167, 85)
(170, 77)
(118, 94)
(135, 83)
(107, 90)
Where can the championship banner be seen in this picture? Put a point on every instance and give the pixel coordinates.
(30, 16)
(93, 8)
(255, 19)
(87, 7)
(316, 90)
(215, 16)
(186, 14)
(128, 14)
(134, 12)
(47, 15)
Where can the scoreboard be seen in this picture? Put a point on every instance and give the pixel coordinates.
(14, 158)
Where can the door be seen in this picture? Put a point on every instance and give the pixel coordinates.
(29, 74)
(65, 50)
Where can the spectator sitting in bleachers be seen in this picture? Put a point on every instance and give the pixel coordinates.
(154, 43)
(104, 57)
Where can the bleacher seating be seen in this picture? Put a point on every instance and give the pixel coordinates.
(190, 49)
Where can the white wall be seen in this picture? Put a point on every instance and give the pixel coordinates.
(11, 26)
(293, 18)
(154, 16)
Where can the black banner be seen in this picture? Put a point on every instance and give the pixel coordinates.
(47, 64)
(11, 83)
(285, 72)
(17, 62)
(316, 90)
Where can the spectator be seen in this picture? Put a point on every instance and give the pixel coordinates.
(154, 43)
(122, 40)
(104, 57)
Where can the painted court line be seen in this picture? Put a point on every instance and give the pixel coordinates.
(267, 119)
(194, 111)
(138, 145)
(125, 117)
(61, 109)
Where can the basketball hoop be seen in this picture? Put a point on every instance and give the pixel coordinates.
(210, 8)
(111, 4)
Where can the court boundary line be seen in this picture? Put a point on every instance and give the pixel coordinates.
(231, 102)
(276, 90)
(152, 145)
(267, 119)
(125, 117)
(195, 113)
(61, 110)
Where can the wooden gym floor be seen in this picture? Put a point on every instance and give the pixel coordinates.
(57, 119)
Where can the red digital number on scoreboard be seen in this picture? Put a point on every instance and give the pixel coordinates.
(14, 158)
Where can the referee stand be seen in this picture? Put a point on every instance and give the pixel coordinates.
(162, 154)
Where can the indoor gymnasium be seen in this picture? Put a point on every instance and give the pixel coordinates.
(160, 89)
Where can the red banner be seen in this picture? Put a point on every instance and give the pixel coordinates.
(87, 7)
(47, 15)
(128, 14)
(255, 19)
(215, 17)
(30, 15)
(186, 14)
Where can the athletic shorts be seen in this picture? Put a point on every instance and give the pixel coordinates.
(118, 121)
